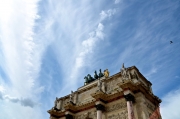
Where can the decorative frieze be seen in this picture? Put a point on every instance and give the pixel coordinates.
(121, 115)
(116, 106)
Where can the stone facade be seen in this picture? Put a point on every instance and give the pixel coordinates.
(125, 95)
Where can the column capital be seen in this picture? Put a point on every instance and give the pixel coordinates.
(99, 107)
(129, 97)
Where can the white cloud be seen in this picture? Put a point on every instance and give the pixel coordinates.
(107, 14)
(170, 105)
(89, 44)
(99, 31)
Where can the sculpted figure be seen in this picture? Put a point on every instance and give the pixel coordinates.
(95, 75)
(106, 73)
(71, 97)
(99, 84)
(86, 80)
(124, 72)
(90, 79)
(100, 73)
(135, 75)
(103, 87)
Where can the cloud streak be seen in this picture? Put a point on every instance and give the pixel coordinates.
(23, 101)
(21, 53)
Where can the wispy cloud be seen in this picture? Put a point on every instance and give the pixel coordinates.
(107, 14)
(21, 52)
(88, 45)
(78, 44)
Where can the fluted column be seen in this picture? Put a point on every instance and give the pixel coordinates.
(99, 108)
(130, 99)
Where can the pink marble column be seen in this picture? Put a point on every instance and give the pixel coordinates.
(99, 114)
(130, 98)
(130, 110)
(99, 108)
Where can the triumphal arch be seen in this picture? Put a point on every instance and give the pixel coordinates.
(125, 95)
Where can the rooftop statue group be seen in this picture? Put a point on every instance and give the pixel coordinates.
(89, 78)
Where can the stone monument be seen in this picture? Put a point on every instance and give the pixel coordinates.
(124, 95)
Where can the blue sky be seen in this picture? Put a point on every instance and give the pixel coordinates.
(47, 47)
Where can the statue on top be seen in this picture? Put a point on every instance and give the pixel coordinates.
(106, 73)
(86, 80)
(124, 72)
(95, 75)
(71, 97)
(90, 79)
(100, 73)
